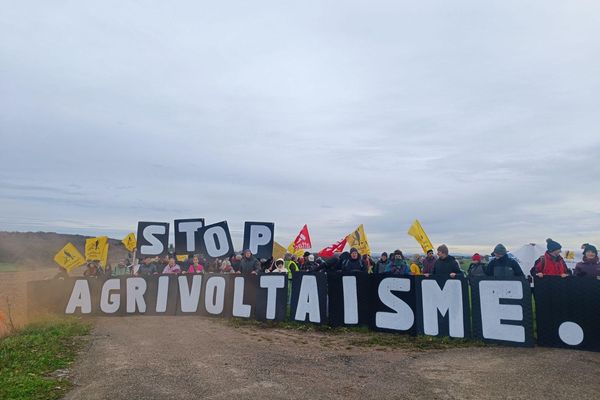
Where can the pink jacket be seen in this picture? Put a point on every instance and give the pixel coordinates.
(193, 270)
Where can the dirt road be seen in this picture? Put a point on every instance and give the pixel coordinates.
(194, 357)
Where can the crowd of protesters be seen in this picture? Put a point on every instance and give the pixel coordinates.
(501, 264)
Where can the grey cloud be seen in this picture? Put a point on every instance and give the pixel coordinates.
(479, 119)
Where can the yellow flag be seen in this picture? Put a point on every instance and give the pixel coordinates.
(94, 248)
(104, 258)
(358, 239)
(416, 231)
(296, 252)
(129, 242)
(182, 257)
(569, 255)
(69, 257)
(278, 251)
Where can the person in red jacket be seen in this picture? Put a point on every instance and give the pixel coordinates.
(551, 263)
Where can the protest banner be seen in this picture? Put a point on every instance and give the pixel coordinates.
(496, 310)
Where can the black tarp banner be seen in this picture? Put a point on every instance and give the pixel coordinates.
(216, 299)
(271, 297)
(214, 241)
(190, 293)
(393, 303)
(350, 298)
(567, 312)
(309, 297)
(259, 238)
(161, 294)
(443, 306)
(501, 307)
(205, 294)
(502, 312)
(186, 231)
(152, 238)
(84, 298)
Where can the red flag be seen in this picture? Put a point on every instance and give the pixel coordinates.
(302, 241)
(337, 247)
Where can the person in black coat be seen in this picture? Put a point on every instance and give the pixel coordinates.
(502, 265)
(445, 264)
(354, 263)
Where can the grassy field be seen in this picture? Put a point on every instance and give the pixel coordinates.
(8, 267)
(29, 358)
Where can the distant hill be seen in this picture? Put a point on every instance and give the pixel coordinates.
(37, 249)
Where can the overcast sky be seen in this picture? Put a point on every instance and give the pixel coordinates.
(479, 118)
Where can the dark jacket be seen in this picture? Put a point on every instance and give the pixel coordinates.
(147, 269)
(589, 268)
(504, 267)
(381, 266)
(398, 267)
(428, 264)
(310, 266)
(350, 265)
(477, 269)
(248, 265)
(446, 266)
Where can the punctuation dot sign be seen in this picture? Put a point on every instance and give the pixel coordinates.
(570, 333)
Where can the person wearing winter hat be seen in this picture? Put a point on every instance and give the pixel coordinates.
(310, 264)
(502, 265)
(279, 267)
(304, 257)
(249, 264)
(589, 266)
(354, 263)
(382, 264)
(551, 263)
(429, 262)
(499, 250)
(445, 264)
(477, 268)
(398, 265)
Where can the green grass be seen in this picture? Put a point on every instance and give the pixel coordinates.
(8, 267)
(28, 357)
(362, 336)
(396, 341)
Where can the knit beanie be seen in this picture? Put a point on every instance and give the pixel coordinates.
(353, 250)
(476, 257)
(588, 247)
(551, 245)
(384, 254)
(500, 250)
(443, 249)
